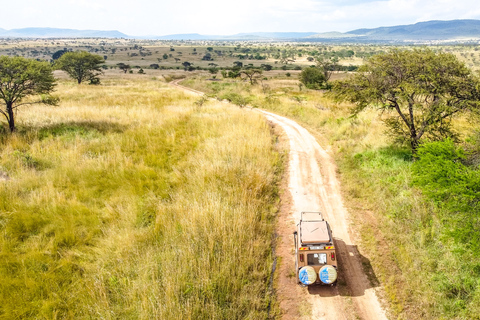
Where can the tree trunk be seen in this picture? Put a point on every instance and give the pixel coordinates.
(414, 145)
(11, 119)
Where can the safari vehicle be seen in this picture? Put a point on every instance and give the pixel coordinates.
(315, 256)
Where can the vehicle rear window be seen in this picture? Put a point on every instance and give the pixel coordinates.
(315, 259)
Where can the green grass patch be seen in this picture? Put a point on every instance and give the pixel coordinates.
(165, 215)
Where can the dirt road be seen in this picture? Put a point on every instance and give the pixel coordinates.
(313, 186)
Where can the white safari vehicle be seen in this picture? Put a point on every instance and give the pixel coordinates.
(315, 256)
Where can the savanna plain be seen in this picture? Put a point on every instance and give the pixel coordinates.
(132, 199)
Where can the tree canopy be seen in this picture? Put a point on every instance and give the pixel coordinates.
(58, 54)
(252, 74)
(327, 66)
(81, 66)
(20, 78)
(312, 78)
(124, 67)
(418, 92)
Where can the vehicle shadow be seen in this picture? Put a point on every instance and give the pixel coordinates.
(355, 274)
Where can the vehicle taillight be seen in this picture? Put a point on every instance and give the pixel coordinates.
(332, 255)
(301, 257)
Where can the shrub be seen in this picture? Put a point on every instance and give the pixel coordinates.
(312, 78)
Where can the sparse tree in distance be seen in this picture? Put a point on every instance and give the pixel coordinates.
(186, 65)
(252, 74)
(312, 78)
(267, 67)
(58, 54)
(327, 66)
(20, 78)
(81, 66)
(124, 67)
(418, 90)
(207, 57)
(238, 64)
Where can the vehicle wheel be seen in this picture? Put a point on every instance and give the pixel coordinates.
(328, 274)
(307, 275)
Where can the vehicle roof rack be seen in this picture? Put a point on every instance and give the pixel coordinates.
(311, 216)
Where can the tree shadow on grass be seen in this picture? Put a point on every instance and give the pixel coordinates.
(80, 128)
(355, 274)
(396, 151)
(66, 130)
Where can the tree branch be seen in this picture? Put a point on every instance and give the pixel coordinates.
(5, 114)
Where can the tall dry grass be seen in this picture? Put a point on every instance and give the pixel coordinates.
(424, 274)
(128, 202)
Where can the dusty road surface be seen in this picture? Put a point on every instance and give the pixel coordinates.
(313, 186)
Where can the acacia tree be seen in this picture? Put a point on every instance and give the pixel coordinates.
(187, 65)
(81, 66)
(418, 92)
(252, 74)
(312, 78)
(327, 66)
(124, 67)
(21, 78)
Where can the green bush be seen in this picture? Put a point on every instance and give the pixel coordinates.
(236, 99)
(312, 78)
(444, 178)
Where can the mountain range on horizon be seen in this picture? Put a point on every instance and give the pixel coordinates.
(59, 33)
(421, 31)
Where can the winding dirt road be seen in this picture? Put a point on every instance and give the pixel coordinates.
(313, 186)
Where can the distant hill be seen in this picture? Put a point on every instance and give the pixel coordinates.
(430, 30)
(59, 33)
(422, 31)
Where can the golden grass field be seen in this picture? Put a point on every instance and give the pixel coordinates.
(129, 202)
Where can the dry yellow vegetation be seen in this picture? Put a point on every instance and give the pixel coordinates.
(127, 201)
(403, 235)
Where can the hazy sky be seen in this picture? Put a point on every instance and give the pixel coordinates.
(224, 17)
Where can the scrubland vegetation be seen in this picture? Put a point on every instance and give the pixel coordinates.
(127, 201)
(162, 54)
(131, 200)
(425, 253)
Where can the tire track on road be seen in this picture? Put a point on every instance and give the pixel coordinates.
(313, 186)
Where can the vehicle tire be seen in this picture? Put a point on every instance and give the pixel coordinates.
(328, 274)
(307, 275)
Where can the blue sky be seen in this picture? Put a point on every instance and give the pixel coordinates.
(161, 17)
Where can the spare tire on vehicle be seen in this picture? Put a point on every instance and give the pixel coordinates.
(328, 274)
(307, 275)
